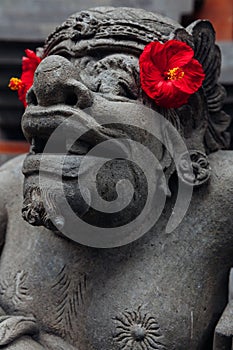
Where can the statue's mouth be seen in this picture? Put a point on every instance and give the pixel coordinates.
(80, 166)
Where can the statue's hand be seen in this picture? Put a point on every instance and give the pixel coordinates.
(13, 328)
(24, 343)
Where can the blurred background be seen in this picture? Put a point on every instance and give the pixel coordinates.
(26, 24)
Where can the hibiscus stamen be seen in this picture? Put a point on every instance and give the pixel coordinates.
(15, 84)
(175, 73)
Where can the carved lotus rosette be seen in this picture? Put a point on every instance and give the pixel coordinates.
(200, 172)
(137, 330)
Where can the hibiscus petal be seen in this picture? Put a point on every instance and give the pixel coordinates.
(193, 77)
(145, 55)
(22, 95)
(179, 100)
(178, 53)
(32, 56)
(174, 90)
(169, 96)
(29, 65)
(158, 56)
(150, 76)
(30, 61)
(149, 71)
(155, 53)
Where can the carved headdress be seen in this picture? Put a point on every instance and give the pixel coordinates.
(109, 28)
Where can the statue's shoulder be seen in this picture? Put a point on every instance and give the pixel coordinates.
(11, 173)
(11, 185)
(221, 164)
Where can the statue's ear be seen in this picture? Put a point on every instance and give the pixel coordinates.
(209, 55)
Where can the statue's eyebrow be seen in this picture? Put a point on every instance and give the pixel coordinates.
(61, 50)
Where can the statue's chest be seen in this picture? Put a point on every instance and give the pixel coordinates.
(151, 289)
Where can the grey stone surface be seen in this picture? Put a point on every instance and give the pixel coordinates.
(163, 291)
(223, 337)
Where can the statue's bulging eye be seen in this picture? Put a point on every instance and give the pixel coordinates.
(117, 87)
(115, 76)
(127, 90)
(98, 87)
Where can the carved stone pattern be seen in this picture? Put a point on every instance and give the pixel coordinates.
(127, 29)
(200, 35)
(13, 327)
(209, 55)
(75, 27)
(15, 288)
(71, 295)
(87, 24)
(138, 331)
(33, 211)
(200, 167)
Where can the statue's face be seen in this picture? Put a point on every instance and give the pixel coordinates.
(81, 94)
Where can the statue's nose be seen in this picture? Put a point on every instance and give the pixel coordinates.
(56, 82)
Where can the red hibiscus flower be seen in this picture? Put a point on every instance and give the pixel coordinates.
(29, 65)
(169, 74)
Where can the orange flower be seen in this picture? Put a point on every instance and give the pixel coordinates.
(15, 84)
(29, 65)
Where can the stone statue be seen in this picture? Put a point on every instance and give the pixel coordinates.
(162, 291)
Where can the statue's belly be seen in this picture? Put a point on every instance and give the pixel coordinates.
(142, 296)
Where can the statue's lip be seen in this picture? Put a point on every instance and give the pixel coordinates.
(64, 130)
(66, 165)
(57, 165)
(42, 121)
(75, 128)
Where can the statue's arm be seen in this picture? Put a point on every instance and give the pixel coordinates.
(19, 332)
(4, 189)
(3, 211)
(11, 179)
(3, 225)
(15, 330)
